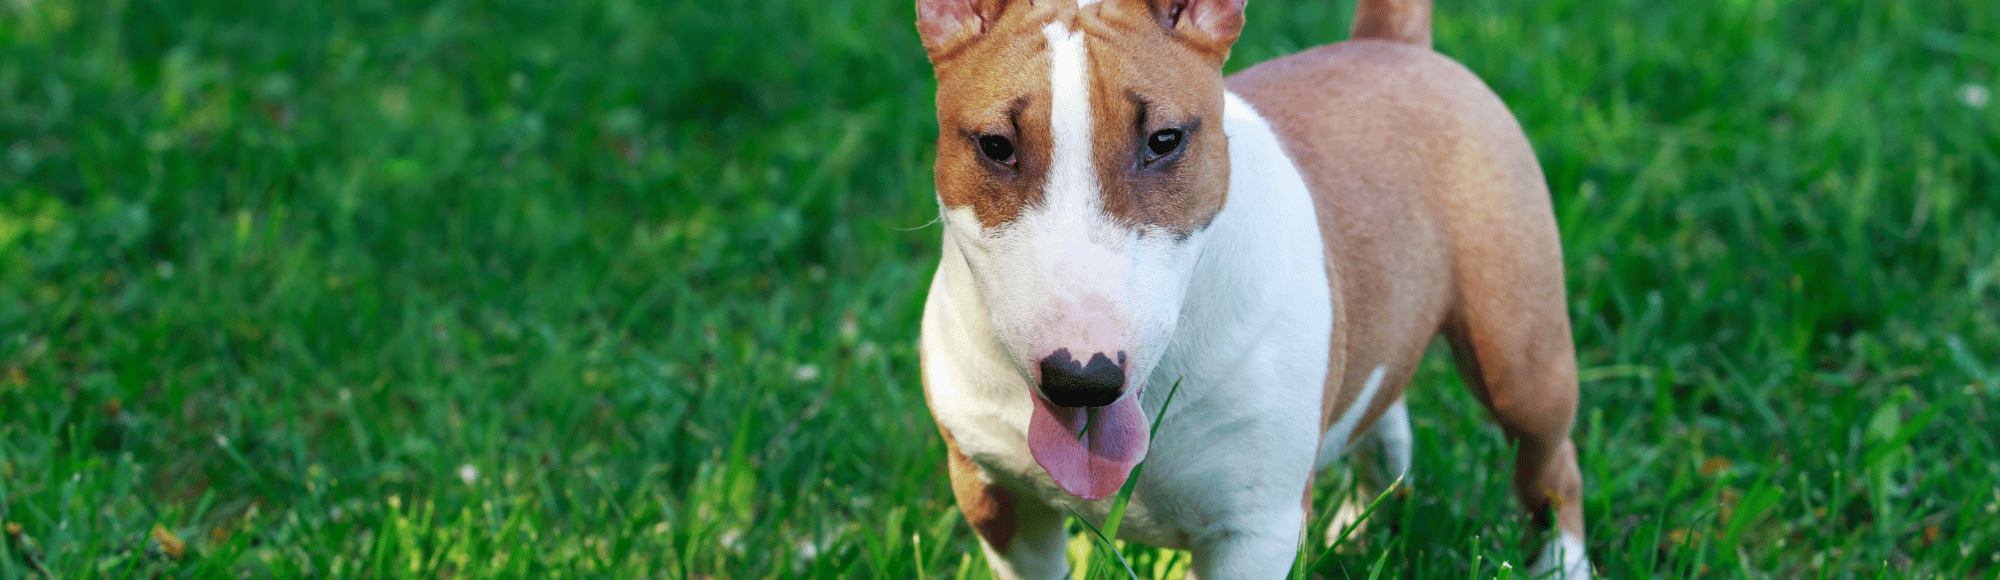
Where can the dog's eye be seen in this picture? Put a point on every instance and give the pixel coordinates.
(997, 148)
(1162, 143)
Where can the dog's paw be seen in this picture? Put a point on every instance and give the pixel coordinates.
(1562, 559)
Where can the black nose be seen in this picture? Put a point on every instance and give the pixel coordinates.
(1069, 383)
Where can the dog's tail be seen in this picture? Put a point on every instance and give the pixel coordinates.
(1398, 20)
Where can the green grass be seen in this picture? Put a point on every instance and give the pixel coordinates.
(630, 289)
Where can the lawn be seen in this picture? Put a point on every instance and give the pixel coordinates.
(501, 289)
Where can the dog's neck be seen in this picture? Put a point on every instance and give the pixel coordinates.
(1263, 272)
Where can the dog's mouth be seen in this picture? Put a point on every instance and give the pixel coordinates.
(1089, 451)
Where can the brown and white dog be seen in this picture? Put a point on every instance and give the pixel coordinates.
(1283, 243)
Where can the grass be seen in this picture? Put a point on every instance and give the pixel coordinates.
(627, 289)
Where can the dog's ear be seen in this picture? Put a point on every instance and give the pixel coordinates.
(1210, 26)
(948, 24)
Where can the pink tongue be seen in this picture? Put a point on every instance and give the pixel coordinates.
(1095, 466)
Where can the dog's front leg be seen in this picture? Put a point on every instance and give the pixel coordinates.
(1023, 537)
(1259, 519)
(1261, 550)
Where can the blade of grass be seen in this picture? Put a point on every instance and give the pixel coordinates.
(1117, 513)
(1356, 524)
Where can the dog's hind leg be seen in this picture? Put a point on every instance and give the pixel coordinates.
(1382, 456)
(1380, 459)
(1508, 324)
(1513, 349)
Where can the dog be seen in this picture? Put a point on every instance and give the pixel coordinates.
(1274, 250)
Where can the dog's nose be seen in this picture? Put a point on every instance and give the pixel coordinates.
(1070, 383)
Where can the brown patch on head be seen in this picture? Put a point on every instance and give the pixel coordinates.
(1161, 156)
(1153, 72)
(993, 82)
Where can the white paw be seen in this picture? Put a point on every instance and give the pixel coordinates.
(1347, 516)
(1562, 559)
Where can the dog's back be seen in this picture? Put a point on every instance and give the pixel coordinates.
(1415, 167)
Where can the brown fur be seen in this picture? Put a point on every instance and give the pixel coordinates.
(1009, 101)
(1143, 80)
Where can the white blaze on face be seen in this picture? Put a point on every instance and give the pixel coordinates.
(1068, 231)
(1072, 181)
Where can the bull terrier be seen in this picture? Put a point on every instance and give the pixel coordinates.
(1282, 243)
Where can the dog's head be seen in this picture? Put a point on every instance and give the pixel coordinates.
(1080, 159)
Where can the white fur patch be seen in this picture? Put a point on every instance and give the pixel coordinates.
(1562, 559)
(1333, 444)
(1072, 181)
(1393, 440)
